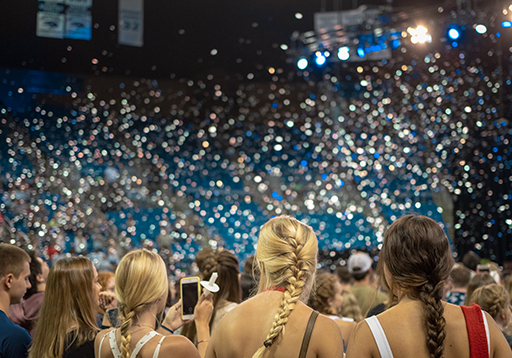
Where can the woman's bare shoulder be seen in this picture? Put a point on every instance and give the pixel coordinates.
(178, 346)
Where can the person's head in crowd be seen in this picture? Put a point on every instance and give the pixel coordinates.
(249, 265)
(200, 256)
(141, 286)
(14, 275)
(479, 280)
(360, 266)
(68, 313)
(344, 275)
(460, 277)
(416, 261)
(507, 283)
(327, 297)
(471, 260)
(225, 263)
(286, 256)
(248, 282)
(107, 281)
(494, 299)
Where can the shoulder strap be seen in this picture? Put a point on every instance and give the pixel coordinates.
(477, 331)
(157, 350)
(379, 336)
(307, 334)
(113, 344)
(147, 337)
(487, 333)
(101, 343)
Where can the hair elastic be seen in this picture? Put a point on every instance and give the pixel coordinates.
(267, 343)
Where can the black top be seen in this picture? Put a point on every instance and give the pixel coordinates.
(86, 350)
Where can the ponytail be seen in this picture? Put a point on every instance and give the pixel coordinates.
(435, 322)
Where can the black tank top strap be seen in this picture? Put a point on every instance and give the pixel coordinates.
(307, 334)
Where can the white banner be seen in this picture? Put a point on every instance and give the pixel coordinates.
(131, 22)
(78, 23)
(50, 19)
(83, 3)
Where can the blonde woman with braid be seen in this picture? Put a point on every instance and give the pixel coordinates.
(416, 261)
(328, 299)
(494, 299)
(276, 322)
(141, 288)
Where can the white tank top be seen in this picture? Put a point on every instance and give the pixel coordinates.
(382, 342)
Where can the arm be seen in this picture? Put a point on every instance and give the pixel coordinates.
(202, 315)
(499, 345)
(17, 344)
(359, 344)
(329, 339)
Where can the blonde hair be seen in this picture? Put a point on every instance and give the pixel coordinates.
(68, 298)
(325, 288)
(141, 279)
(286, 255)
(492, 298)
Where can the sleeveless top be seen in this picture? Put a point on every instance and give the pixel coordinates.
(117, 353)
(476, 324)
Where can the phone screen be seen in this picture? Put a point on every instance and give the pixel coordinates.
(190, 297)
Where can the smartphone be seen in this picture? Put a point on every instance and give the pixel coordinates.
(190, 292)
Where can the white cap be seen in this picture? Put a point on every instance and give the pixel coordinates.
(359, 262)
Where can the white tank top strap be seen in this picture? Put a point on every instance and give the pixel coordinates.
(147, 337)
(380, 337)
(101, 343)
(113, 344)
(486, 333)
(157, 350)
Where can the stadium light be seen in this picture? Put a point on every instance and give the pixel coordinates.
(302, 63)
(344, 53)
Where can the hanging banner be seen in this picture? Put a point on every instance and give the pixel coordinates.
(51, 19)
(78, 22)
(131, 22)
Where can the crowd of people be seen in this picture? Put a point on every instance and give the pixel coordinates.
(410, 304)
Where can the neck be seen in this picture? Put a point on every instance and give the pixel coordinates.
(5, 301)
(364, 281)
(460, 289)
(147, 318)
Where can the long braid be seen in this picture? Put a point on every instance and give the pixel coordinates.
(295, 276)
(435, 322)
(126, 336)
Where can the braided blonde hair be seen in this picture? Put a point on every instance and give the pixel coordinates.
(492, 298)
(141, 279)
(286, 255)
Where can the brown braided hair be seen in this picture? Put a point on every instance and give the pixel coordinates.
(325, 288)
(492, 298)
(417, 255)
(286, 255)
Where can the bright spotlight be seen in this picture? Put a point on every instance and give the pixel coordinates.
(302, 63)
(361, 52)
(481, 29)
(453, 34)
(344, 53)
(320, 58)
(419, 35)
(506, 24)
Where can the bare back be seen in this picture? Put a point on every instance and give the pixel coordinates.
(405, 331)
(242, 331)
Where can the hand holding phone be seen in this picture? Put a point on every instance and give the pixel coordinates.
(190, 292)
